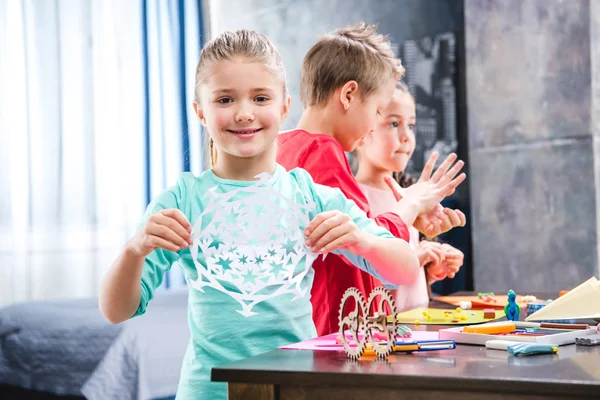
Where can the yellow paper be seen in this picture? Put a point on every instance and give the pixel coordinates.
(438, 316)
(583, 302)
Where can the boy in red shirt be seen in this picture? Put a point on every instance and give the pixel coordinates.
(347, 78)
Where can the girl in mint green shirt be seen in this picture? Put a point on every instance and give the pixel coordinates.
(246, 231)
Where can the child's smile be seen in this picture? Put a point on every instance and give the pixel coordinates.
(243, 104)
(246, 133)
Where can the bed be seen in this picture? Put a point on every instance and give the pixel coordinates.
(66, 349)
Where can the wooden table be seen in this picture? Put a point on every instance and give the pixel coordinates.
(466, 373)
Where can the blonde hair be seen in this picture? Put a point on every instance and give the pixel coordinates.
(354, 53)
(244, 43)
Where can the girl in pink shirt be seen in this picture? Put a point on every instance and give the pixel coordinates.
(385, 152)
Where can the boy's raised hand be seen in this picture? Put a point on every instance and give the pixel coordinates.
(167, 229)
(332, 230)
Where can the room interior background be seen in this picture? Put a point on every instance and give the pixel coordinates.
(95, 119)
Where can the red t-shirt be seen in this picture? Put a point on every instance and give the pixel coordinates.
(324, 159)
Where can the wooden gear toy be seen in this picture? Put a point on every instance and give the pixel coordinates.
(375, 319)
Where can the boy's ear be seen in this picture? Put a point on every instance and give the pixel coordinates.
(286, 108)
(199, 113)
(348, 94)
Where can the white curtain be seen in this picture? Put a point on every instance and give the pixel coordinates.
(92, 93)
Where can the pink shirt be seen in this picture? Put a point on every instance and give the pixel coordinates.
(410, 296)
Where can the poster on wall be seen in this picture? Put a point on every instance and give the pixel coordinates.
(430, 64)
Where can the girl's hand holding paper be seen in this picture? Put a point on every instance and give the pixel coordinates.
(167, 229)
(332, 230)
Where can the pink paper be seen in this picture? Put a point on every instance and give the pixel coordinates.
(328, 342)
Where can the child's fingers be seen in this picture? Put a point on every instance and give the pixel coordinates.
(445, 224)
(452, 269)
(454, 217)
(179, 217)
(160, 243)
(451, 174)
(437, 211)
(451, 186)
(181, 231)
(434, 277)
(426, 244)
(463, 217)
(174, 226)
(318, 220)
(454, 256)
(339, 243)
(428, 223)
(453, 264)
(436, 271)
(164, 232)
(428, 168)
(433, 256)
(324, 223)
(455, 268)
(450, 192)
(322, 244)
(444, 167)
(395, 187)
(432, 230)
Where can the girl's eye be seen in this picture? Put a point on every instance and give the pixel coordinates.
(261, 99)
(412, 127)
(394, 124)
(224, 100)
(378, 113)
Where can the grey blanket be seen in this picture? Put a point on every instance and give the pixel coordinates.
(59, 345)
(144, 362)
(68, 348)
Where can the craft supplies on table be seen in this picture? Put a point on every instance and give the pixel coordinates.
(426, 339)
(440, 316)
(492, 329)
(523, 332)
(590, 340)
(485, 301)
(521, 349)
(416, 346)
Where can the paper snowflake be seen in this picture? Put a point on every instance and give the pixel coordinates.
(253, 246)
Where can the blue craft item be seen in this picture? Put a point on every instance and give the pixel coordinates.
(529, 349)
(512, 309)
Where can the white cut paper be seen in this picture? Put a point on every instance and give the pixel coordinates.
(253, 245)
